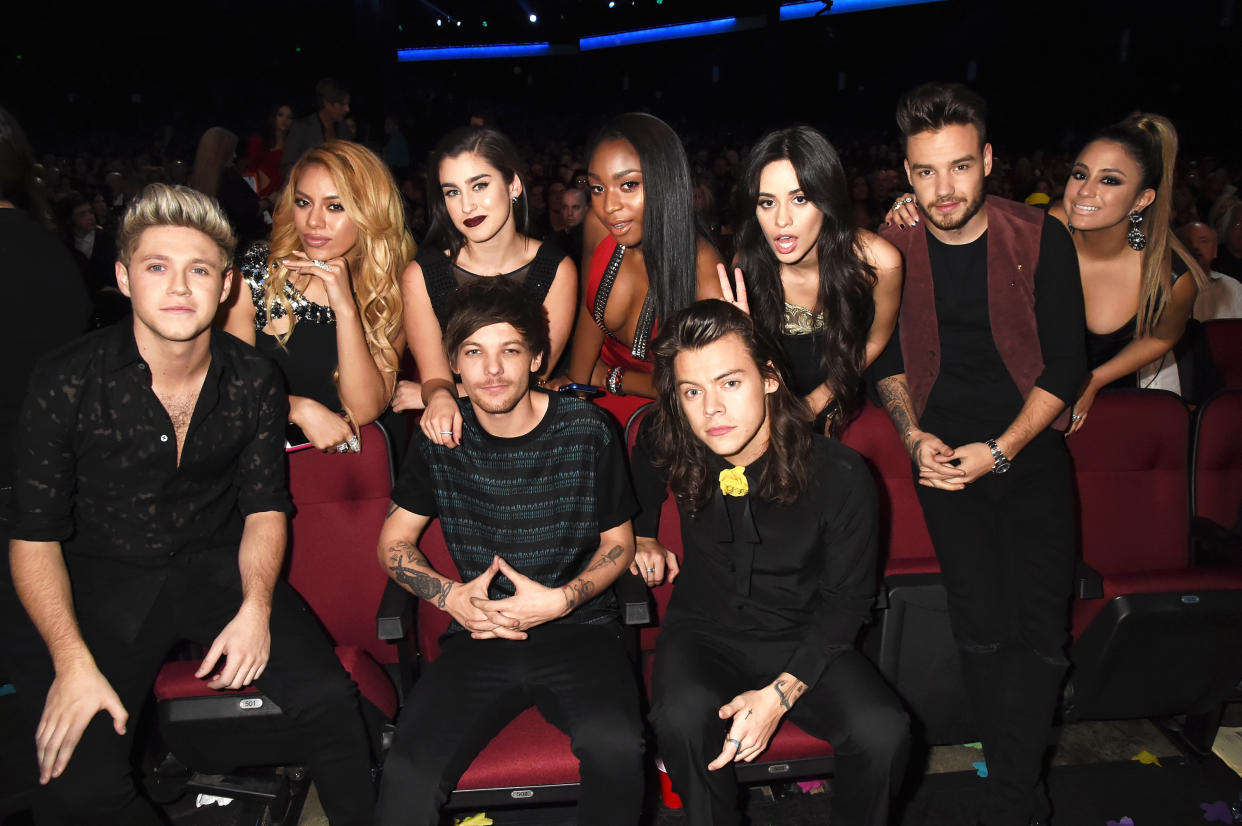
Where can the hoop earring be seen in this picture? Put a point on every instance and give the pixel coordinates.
(1135, 237)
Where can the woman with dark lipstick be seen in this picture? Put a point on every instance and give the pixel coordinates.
(827, 292)
(323, 300)
(648, 254)
(478, 209)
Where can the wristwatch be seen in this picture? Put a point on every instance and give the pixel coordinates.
(1000, 462)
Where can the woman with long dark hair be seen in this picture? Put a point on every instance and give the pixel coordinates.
(477, 204)
(649, 254)
(1117, 204)
(266, 151)
(827, 291)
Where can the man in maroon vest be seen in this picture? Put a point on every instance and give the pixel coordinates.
(989, 352)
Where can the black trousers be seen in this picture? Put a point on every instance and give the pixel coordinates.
(302, 676)
(580, 679)
(698, 669)
(1006, 548)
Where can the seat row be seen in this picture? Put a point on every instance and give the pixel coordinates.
(1154, 633)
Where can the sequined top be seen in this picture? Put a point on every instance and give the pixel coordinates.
(308, 358)
(800, 321)
(605, 265)
(255, 272)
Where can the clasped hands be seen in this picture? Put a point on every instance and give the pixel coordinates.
(532, 604)
(755, 716)
(947, 468)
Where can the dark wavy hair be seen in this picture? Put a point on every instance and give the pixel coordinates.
(846, 280)
(494, 148)
(681, 453)
(671, 227)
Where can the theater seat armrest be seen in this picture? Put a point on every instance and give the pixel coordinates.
(634, 597)
(396, 613)
(1214, 544)
(1088, 584)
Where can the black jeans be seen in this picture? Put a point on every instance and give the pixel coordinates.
(1006, 548)
(302, 676)
(580, 679)
(698, 669)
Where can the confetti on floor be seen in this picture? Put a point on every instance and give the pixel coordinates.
(1218, 812)
(1146, 758)
(981, 768)
(1125, 821)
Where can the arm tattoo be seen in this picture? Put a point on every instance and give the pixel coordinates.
(577, 592)
(420, 584)
(895, 394)
(787, 697)
(392, 508)
(607, 558)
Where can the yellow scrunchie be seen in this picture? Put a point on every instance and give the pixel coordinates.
(733, 481)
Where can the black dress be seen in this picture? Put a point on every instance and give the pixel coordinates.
(443, 277)
(1102, 347)
(308, 359)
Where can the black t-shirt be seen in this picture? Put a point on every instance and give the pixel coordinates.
(540, 500)
(974, 396)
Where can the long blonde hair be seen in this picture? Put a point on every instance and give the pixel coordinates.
(1151, 140)
(373, 202)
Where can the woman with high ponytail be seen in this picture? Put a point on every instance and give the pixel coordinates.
(1117, 204)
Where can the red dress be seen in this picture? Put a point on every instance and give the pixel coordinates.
(615, 353)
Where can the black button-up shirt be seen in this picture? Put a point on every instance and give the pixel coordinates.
(97, 466)
(802, 574)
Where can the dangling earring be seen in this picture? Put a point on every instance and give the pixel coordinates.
(1136, 238)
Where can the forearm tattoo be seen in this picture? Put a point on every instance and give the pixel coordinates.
(895, 394)
(578, 592)
(609, 557)
(788, 697)
(419, 583)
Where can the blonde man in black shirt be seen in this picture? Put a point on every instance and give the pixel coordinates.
(150, 507)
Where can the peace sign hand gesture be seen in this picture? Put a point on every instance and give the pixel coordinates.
(736, 297)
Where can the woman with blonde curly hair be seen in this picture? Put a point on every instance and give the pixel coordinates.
(325, 300)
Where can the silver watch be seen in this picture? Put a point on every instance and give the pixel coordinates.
(1000, 462)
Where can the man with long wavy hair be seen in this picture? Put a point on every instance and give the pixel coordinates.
(779, 529)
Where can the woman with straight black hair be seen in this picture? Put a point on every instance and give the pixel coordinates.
(829, 293)
(649, 255)
(476, 202)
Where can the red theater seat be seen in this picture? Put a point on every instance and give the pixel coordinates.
(1163, 638)
(1216, 480)
(340, 502)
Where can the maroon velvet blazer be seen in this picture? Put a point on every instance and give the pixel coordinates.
(1014, 232)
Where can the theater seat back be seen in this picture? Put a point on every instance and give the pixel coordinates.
(906, 547)
(1217, 482)
(1131, 469)
(1224, 341)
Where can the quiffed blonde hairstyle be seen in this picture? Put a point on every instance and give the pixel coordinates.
(373, 202)
(162, 205)
(1151, 140)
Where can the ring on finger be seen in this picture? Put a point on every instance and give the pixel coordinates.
(737, 744)
(446, 433)
(321, 264)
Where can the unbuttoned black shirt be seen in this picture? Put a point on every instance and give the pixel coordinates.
(97, 466)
